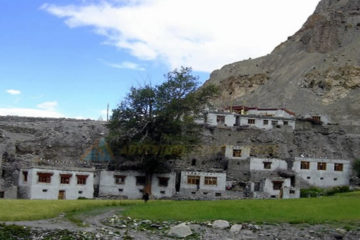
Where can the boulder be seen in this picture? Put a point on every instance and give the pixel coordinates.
(180, 231)
(220, 224)
(235, 228)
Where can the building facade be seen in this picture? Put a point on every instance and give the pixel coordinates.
(51, 183)
(130, 184)
(320, 172)
(196, 184)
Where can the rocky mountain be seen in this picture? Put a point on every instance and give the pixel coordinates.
(45, 141)
(316, 71)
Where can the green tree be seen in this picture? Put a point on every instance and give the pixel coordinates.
(156, 124)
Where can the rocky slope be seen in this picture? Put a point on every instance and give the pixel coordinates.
(44, 141)
(317, 70)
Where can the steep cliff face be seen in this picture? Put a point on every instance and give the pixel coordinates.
(315, 71)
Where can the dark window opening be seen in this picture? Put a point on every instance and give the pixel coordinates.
(308, 177)
(193, 192)
(65, 178)
(266, 122)
(193, 162)
(119, 179)
(217, 194)
(335, 179)
(277, 185)
(44, 177)
(25, 176)
(140, 180)
(141, 190)
(321, 166)
(81, 179)
(3, 173)
(251, 121)
(274, 123)
(120, 189)
(80, 192)
(286, 123)
(162, 192)
(220, 119)
(305, 165)
(257, 187)
(321, 178)
(236, 152)
(292, 181)
(292, 191)
(338, 167)
(163, 181)
(267, 165)
(2, 194)
(44, 190)
(205, 193)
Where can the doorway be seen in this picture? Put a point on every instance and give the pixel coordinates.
(61, 194)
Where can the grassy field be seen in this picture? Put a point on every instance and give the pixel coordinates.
(340, 208)
(16, 210)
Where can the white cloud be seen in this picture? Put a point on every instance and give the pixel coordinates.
(124, 65)
(203, 34)
(29, 112)
(48, 106)
(13, 92)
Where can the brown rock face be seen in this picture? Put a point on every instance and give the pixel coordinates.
(317, 70)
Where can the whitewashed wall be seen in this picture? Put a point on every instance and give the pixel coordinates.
(274, 113)
(245, 151)
(257, 164)
(33, 189)
(323, 178)
(269, 186)
(129, 189)
(221, 181)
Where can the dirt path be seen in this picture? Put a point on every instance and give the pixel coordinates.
(92, 223)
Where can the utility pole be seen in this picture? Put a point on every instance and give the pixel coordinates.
(107, 113)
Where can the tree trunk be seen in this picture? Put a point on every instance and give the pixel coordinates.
(148, 182)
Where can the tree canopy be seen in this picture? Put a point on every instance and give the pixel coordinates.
(156, 123)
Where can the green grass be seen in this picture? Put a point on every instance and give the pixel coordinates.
(17, 210)
(339, 208)
(344, 208)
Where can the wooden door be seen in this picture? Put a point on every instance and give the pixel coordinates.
(61, 194)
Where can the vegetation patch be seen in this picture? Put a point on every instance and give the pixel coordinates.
(338, 208)
(17, 210)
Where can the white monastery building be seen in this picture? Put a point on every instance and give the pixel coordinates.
(51, 183)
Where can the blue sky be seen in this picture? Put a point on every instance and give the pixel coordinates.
(70, 58)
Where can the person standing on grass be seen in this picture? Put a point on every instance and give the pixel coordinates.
(145, 197)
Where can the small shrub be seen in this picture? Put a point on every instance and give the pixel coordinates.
(317, 192)
(312, 192)
(340, 189)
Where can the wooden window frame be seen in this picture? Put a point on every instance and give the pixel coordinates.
(305, 165)
(119, 179)
(237, 153)
(321, 166)
(210, 181)
(267, 165)
(65, 178)
(274, 122)
(81, 179)
(251, 121)
(277, 185)
(44, 177)
(338, 167)
(193, 180)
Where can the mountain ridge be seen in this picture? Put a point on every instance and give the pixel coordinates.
(316, 71)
